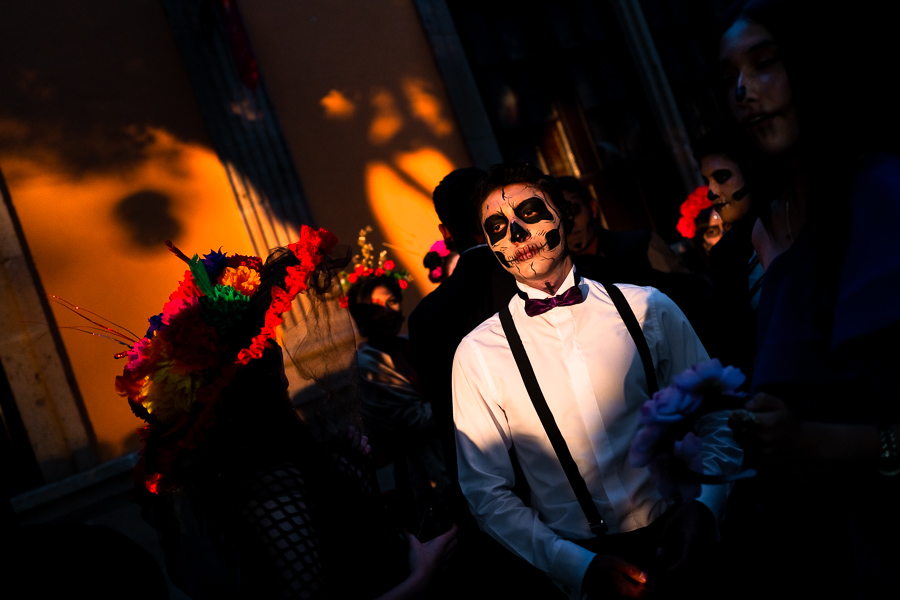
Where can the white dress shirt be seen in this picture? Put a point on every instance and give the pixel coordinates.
(592, 377)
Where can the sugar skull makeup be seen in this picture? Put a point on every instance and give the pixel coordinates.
(525, 231)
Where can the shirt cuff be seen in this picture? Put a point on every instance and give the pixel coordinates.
(569, 565)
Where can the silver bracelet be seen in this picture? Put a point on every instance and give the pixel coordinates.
(889, 461)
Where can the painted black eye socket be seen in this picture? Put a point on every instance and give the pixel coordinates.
(722, 176)
(495, 228)
(533, 210)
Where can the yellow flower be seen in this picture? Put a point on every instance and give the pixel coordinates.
(168, 394)
(243, 279)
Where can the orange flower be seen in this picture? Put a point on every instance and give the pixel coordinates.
(243, 279)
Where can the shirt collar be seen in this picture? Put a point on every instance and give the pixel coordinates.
(531, 292)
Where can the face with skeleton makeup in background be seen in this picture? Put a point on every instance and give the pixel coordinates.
(525, 231)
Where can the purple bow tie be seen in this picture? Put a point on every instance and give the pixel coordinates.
(571, 296)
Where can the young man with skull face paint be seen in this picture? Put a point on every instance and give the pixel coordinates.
(592, 377)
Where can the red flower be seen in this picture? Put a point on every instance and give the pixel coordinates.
(327, 241)
(388, 265)
(379, 272)
(311, 245)
(352, 277)
(403, 284)
(152, 482)
(295, 280)
(690, 208)
(344, 301)
(186, 289)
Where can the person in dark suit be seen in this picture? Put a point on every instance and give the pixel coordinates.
(475, 290)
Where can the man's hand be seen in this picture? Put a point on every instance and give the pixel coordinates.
(425, 559)
(611, 577)
(687, 539)
(358, 441)
(771, 431)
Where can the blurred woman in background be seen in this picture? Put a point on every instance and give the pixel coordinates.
(821, 424)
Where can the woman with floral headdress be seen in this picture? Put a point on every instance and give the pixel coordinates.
(397, 419)
(245, 501)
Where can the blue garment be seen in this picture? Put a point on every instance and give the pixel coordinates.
(829, 315)
(811, 311)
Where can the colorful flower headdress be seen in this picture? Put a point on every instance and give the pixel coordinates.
(690, 208)
(193, 349)
(367, 264)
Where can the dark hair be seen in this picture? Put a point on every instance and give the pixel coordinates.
(831, 59)
(568, 183)
(273, 273)
(359, 299)
(453, 204)
(727, 143)
(502, 175)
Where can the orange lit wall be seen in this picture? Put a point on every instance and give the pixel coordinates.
(365, 114)
(105, 157)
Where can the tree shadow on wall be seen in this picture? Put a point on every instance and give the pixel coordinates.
(147, 217)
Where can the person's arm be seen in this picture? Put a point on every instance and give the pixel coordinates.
(424, 561)
(692, 531)
(678, 348)
(865, 330)
(388, 397)
(775, 433)
(486, 477)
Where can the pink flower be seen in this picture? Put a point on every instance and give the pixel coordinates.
(674, 463)
(710, 377)
(669, 405)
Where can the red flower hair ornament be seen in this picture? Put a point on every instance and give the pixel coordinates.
(690, 208)
(368, 264)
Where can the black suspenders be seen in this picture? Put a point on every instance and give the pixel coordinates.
(598, 526)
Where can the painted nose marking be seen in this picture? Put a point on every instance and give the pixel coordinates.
(517, 233)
